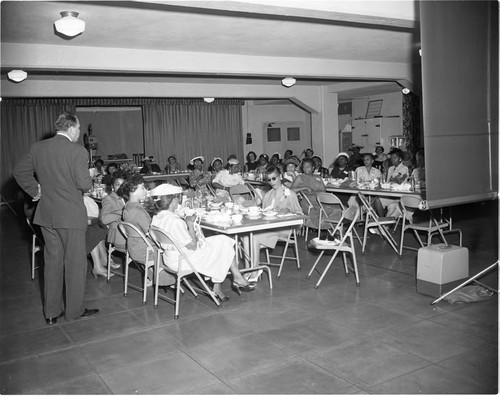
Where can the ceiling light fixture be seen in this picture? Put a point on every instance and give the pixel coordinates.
(69, 24)
(288, 82)
(209, 100)
(17, 75)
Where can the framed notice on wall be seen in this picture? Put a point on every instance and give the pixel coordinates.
(374, 108)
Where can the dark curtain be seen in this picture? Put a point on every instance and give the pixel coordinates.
(189, 130)
(24, 122)
(411, 124)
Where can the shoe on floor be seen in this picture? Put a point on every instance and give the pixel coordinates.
(253, 276)
(89, 312)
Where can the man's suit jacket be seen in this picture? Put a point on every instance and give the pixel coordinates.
(62, 172)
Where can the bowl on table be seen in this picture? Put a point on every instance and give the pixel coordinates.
(237, 218)
(251, 176)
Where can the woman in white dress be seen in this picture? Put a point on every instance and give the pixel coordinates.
(213, 256)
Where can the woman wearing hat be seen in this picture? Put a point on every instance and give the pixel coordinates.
(227, 178)
(263, 163)
(172, 165)
(213, 256)
(290, 171)
(276, 161)
(216, 166)
(198, 178)
(340, 166)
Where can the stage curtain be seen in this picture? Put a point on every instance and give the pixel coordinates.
(24, 122)
(189, 130)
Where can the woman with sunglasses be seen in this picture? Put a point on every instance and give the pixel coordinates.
(282, 200)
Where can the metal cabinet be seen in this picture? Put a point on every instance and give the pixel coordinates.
(371, 132)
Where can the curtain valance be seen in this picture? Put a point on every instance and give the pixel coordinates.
(81, 102)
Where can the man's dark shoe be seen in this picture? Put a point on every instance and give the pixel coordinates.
(53, 321)
(89, 312)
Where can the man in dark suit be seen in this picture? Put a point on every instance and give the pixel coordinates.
(61, 178)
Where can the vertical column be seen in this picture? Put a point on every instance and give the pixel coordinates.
(325, 127)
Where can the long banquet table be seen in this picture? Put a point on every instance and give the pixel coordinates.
(377, 192)
(249, 226)
(167, 177)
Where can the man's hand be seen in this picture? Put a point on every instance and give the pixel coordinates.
(39, 195)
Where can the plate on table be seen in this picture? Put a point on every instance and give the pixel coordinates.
(254, 216)
(270, 213)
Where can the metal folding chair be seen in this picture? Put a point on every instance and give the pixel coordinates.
(431, 227)
(373, 220)
(308, 212)
(165, 240)
(130, 230)
(36, 246)
(345, 245)
(290, 241)
(245, 192)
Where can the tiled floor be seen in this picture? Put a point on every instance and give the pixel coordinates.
(382, 337)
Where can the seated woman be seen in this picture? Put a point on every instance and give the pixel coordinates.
(340, 166)
(215, 166)
(263, 163)
(198, 179)
(310, 184)
(212, 256)
(276, 161)
(290, 171)
(380, 161)
(366, 173)
(418, 174)
(98, 170)
(111, 168)
(227, 178)
(95, 237)
(281, 199)
(111, 212)
(318, 167)
(172, 165)
(134, 193)
(251, 164)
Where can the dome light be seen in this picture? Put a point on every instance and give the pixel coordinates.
(69, 24)
(17, 75)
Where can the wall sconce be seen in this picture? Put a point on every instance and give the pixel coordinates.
(209, 100)
(69, 24)
(17, 75)
(288, 82)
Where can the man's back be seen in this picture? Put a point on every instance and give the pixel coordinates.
(61, 169)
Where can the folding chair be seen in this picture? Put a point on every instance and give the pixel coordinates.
(36, 246)
(431, 227)
(309, 207)
(325, 198)
(344, 245)
(373, 220)
(130, 230)
(166, 241)
(242, 190)
(112, 248)
(290, 241)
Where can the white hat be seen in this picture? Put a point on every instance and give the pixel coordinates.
(344, 154)
(215, 159)
(195, 158)
(165, 189)
(233, 161)
(278, 154)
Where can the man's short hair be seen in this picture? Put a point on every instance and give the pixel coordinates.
(66, 121)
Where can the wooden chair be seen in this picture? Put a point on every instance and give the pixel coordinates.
(165, 240)
(345, 245)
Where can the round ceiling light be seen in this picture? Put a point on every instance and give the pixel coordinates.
(17, 75)
(69, 24)
(209, 100)
(288, 82)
